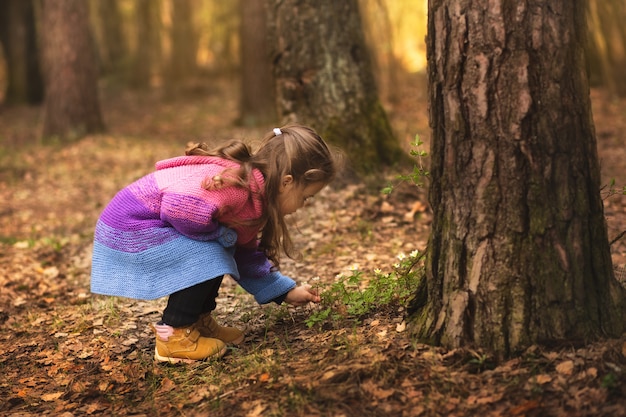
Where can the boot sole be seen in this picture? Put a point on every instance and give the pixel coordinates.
(168, 359)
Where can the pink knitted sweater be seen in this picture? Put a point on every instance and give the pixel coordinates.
(166, 232)
(229, 206)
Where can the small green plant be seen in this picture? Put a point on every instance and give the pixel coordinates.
(54, 243)
(612, 190)
(610, 381)
(419, 170)
(357, 294)
(479, 362)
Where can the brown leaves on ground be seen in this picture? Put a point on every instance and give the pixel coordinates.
(64, 351)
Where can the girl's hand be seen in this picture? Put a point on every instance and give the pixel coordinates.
(301, 295)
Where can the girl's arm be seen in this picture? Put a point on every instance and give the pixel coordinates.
(190, 216)
(266, 285)
(257, 278)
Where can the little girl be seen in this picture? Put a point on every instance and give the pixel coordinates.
(180, 229)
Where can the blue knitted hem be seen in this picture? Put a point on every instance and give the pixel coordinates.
(159, 271)
(268, 287)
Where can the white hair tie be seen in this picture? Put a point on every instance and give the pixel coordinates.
(277, 131)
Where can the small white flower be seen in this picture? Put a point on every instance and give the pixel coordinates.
(378, 271)
(315, 279)
(339, 276)
(396, 265)
(354, 267)
(415, 253)
(401, 256)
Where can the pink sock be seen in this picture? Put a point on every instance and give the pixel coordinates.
(164, 331)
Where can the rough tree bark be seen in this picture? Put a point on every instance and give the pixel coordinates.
(519, 252)
(324, 78)
(72, 107)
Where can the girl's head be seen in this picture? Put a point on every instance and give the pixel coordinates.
(293, 157)
(296, 164)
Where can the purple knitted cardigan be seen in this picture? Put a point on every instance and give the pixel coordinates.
(165, 232)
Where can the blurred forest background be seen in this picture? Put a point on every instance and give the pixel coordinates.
(171, 43)
(186, 46)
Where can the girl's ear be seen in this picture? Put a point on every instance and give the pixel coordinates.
(285, 183)
(287, 179)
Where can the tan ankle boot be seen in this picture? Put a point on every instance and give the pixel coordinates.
(208, 327)
(184, 344)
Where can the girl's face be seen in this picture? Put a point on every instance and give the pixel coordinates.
(292, 196)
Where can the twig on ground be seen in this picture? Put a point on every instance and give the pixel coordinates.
(618, 237)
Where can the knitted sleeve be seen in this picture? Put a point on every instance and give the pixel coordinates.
(257, 278)
(189, 215)
(196, 212)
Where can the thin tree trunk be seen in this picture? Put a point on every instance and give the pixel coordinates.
(184, 45)
(600, 62)
(379, 34)
(19, 38)
(114, 47)
(519, 252)
(609, 37)
(71, 76)
(147, 59)
(257, 105)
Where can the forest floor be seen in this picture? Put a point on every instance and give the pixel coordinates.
(67, 352)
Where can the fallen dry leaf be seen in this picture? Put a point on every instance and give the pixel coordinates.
(167, 385)
(257, 409)
(379, 393)
(53, 396)
(483, 399)
(417, 207)
(565, 368)
(524, 408)
(542, 379)
(401, 327)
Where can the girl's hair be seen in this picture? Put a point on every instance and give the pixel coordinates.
(297, 151)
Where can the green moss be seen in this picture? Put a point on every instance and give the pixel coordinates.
(368, 140)
(421, 327)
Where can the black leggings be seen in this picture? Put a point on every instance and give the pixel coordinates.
(185, 306)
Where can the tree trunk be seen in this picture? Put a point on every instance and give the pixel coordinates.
(114, 48)
(380, 40)
(324, 78)
(608, 44)
(71, 76)
(519, 252)
(223, 38)
(184, 45)
(147, 60)
(257, 105)
(18, 35)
